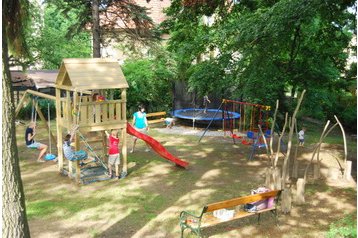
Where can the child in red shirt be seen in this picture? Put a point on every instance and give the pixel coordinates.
(113, 152)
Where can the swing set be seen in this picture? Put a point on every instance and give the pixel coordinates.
(251, 115)
(77, 81)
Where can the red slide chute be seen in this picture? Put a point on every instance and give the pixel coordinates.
(157, 147)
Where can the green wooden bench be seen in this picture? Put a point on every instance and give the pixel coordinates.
(206, 218)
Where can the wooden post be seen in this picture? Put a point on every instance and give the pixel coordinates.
(104, 145)
(124, 131)
(300, 193)
(295, 168)
(19, 106)
(77, 138)
(348, 170)
(277, 178)
(286, 203)
(316, 171)
(269, 182)
(59, 130)
(68, 118)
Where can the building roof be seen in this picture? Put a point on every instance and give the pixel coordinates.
(94, 73)
(34, 78)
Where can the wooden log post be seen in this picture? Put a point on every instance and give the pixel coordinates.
(19, 105)
(295, 168)
(77, 137)
(316, 171)
(269, 182)
(300, 193)
(104, 145)
(68, 117)
(277, 178)
(286, 203)
(348, 170)
(59, 130)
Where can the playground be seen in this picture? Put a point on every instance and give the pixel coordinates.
(184, 168)
(147, 203)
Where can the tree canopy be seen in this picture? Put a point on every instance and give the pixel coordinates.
(259, 50)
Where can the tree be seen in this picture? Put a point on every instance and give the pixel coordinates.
(123, 21)
(150, 81)
(14, 221)
(51, 45)
(264, 48)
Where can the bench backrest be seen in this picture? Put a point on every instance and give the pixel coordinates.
(240, 201)
(156, 114)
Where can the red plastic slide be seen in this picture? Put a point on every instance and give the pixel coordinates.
(157, 147)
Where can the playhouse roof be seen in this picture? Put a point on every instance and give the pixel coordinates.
(94, 73)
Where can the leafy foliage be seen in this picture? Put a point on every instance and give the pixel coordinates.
(122, 21)
(150, 81)
(260, 51)
(52, 45)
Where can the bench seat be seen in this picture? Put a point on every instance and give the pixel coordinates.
(195, 223)
(156, 114)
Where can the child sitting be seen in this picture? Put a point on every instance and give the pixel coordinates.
(67, 150)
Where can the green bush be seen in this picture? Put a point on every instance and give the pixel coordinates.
(346, 227)
(150, 83)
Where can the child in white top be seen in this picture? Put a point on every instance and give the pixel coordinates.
(301, 137)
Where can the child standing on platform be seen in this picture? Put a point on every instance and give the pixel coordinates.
(113, 152)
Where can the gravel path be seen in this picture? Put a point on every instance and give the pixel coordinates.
(180, 130)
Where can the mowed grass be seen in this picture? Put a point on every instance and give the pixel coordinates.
(148, 202)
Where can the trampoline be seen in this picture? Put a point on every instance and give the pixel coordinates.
(199, 115)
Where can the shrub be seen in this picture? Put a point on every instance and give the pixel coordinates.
(346, 227)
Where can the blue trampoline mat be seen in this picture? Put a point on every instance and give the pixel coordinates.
(199, 115)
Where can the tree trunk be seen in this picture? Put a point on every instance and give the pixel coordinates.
(14, 221)
(96, 36)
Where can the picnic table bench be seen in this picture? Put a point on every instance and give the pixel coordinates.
(156, 115)
(206, 218)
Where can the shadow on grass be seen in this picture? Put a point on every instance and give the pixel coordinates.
(148, 202)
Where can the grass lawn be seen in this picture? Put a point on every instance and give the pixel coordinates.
(148, 202)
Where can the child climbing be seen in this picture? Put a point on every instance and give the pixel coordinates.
(67, 150)
(140, 123)
(206, 102)
(30, 134)
(169, 122)
(301, 137)
(113, 153)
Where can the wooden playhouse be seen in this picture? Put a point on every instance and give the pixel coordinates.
(77, 82)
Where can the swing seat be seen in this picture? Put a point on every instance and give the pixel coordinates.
(251, 135)
(236, 136)
(246, 142)
(50, 157)
(268, 133)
